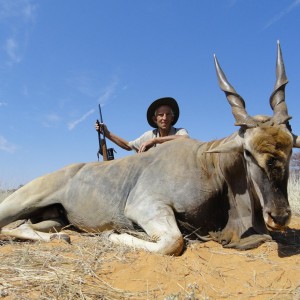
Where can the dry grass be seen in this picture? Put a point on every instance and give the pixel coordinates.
(59, 270)
(294, 193)
(3, 195)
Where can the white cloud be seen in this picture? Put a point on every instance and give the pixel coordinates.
(11, 48)
(3, 104)
(85, 83)
(108, 92)
(24, 9)
(51, 120)
(282, 14)
(29, 10)
(16, 20)
(104, 97)
(6, 146)
(73, 124)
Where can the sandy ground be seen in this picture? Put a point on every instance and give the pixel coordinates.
(90, 268)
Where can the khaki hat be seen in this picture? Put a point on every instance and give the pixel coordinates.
(171, 102)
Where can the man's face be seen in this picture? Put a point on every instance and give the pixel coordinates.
(163, 117)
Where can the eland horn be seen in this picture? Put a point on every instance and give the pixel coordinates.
(236, 102)
(277, 99)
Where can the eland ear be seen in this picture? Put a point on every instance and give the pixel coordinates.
(296, 139)
(229, 147)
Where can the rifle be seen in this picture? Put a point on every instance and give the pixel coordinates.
(108, 154)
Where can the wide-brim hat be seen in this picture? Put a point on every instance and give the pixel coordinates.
(171, 102)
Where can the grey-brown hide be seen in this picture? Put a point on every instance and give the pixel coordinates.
(231, 190)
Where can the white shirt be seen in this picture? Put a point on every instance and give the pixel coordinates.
(151, 134)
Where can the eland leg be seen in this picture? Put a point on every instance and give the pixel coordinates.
(28, 231)
(42, 231)
(161, 226)
(20, 206)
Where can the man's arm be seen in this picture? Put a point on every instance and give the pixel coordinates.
(114, 138)
(119, 141)
(159, 140)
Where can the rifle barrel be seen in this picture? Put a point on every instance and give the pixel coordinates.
(100, 112)
(102, 142)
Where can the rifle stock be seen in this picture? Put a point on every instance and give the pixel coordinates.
(104, 149)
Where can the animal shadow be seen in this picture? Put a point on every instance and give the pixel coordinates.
(288, 242)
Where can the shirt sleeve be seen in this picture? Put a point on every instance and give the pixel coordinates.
(136, 144)
(181, 131)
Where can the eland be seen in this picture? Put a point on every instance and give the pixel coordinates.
(232, 190)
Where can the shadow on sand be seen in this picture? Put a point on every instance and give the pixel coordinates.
(288, 242)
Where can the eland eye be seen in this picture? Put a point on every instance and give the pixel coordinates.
(247, 153)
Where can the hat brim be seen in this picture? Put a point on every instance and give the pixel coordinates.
(171, 102)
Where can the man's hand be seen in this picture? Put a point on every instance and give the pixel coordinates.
(146, 146)
(97, 126)
(101, 127)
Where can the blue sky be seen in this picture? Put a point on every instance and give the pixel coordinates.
(60, 58)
